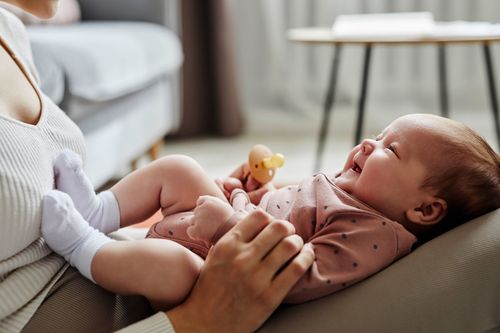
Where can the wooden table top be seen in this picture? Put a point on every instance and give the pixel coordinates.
(444, 32)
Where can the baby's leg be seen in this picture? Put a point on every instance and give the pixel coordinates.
(172, 183)
(161, 270)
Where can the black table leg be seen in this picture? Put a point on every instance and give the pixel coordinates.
(492, 88)
(327, 108)
(443, 87)
(362, 99)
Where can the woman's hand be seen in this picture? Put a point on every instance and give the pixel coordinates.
(242, 281)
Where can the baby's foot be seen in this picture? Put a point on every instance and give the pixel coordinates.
(210, 213)
(100, 211)
(68, 234)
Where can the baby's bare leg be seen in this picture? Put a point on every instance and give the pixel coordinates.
(172, 183)
(161, 270)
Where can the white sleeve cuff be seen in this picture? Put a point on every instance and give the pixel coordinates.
(158, 323)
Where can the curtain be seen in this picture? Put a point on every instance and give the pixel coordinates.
(211, 95)
(278, 72)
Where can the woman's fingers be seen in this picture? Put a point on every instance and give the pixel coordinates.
(245, 277)
(271, 235)
(251, 226)
(281, 253)
(292, 272)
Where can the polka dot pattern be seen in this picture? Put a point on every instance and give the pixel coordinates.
(338, 227)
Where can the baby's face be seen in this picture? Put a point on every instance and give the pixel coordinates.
(387, 172)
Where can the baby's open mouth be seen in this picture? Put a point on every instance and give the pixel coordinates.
(356, 168)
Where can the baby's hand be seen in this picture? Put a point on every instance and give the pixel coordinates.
(210, 213)
(228, 184)
(242, 179)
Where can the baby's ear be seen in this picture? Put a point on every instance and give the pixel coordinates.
(431, 211)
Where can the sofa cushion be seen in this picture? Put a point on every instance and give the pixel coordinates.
(105, 60)
(50, 73)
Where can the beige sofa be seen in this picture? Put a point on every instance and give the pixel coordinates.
(116, 74)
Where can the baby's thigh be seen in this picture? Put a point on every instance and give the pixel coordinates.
(174, 228)
(184, 181)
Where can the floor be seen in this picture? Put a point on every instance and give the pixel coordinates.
(295, 135)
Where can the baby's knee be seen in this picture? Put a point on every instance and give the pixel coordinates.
(184, 272)
(178, 165)
(189, 267)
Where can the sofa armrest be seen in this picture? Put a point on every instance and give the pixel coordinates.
(165, 12)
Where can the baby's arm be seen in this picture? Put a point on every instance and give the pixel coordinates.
(347, 250)
(213, 217)
(209, 214)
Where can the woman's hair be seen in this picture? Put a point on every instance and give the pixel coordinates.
(470, 180)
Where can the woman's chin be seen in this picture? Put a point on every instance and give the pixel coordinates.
(43, 9)
(49, 11)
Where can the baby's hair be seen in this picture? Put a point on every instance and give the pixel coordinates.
(470, 182)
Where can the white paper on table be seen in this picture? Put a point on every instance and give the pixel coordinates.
(386, 25)
(465, 29)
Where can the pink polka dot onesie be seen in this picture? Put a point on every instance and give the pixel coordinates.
(351, 240)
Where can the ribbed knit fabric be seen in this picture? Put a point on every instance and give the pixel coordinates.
(28, 268)
(158, 323)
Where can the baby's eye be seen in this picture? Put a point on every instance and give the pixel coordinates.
(393, 149)
(378, 137)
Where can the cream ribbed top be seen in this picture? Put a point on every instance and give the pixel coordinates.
(28, 268)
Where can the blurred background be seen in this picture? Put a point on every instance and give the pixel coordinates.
(283, 84)
(212, 78)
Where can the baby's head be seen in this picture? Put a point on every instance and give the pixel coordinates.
(427, 172)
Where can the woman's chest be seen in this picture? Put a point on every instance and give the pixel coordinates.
(18, 98)
(26, 174)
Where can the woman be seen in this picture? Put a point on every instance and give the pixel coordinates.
(236, 290)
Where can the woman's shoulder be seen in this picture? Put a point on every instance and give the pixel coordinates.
(12, 29)
(14, 35)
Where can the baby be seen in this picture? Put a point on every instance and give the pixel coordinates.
(422, 176)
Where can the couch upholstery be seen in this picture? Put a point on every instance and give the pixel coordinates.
(116, 74)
